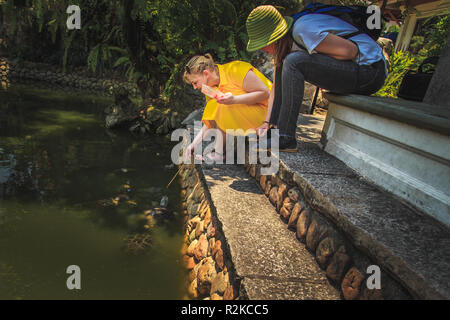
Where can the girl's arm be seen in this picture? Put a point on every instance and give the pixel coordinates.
(197, 140)
(200, 135)
(262, 129)
(337, 47)
(256, 92)
(270, 105)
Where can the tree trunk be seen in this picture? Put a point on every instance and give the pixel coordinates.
(438, 91)
(141, 58)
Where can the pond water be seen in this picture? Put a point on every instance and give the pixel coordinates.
(73, 193)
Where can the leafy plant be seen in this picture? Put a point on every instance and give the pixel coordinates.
(429, 42)
(400, 63)
(149, 41)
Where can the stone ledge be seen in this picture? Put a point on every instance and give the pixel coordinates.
(411, 246)
(421, 115)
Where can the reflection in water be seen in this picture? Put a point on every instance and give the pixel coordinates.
(63, 202)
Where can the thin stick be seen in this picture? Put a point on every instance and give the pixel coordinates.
(176, 174)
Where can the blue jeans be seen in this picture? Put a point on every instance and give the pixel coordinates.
(339, 76)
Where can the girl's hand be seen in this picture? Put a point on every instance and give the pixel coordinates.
(227, 98)
(188, 152)
(262, 129)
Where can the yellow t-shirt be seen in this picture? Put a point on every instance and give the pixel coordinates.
(235, 116)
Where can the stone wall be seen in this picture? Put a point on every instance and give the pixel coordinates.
(30, 72)
(345, 266)
(205, 254)
(4, 72)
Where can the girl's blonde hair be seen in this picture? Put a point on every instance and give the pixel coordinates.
(197, 64)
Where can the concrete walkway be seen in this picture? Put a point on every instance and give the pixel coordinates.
(267, 257)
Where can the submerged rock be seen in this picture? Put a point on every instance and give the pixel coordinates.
(138, 243)
(192, 117)
(123, 112)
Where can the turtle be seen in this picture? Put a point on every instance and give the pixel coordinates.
(137, 243)
(106, 203)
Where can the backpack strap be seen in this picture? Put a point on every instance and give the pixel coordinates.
(347, 36)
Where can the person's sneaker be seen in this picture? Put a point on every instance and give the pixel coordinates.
(286, 144)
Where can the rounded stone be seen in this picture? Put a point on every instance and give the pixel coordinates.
(219, 284)
(215, 296)
(295, 213)
(199, 229)
(288, 204)
(208, 217)
(275, 180)
(211, 243)
(194, 272)
(192, 236)
(219, 259)
(273, 195)
(193, 222)
(192, 289)
(202, 208)
(205, 276)
(285, 214)
(294, 194)
(216, 247)
(262, 182)
(268, 188)
(282, 193)
(339, 263)
(211, 231)
(201, 250)
(315, 234)
(325, 250)
(229, 293)
(351, 284)
(303, 223)
(191, 248)
(189, 262)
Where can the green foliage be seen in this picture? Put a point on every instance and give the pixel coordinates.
(149, 41)
(400, 63)
(427, 44)
(201, 26)
(436, 37)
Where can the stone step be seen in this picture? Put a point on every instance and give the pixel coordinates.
(397, 144)
(407, 243)
(268, 259)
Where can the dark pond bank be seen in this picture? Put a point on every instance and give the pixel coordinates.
(72, 193)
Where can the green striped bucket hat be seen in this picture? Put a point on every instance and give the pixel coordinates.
(265, 25)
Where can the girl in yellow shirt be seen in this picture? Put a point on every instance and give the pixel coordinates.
(244, 106)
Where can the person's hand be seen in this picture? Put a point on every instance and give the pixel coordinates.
(262, 129)
(227, 98)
